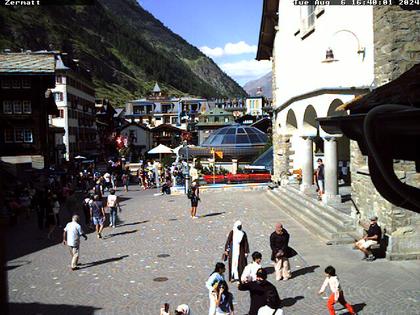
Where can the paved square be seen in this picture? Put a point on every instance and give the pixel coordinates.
(119, 272)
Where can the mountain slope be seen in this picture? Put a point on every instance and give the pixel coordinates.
(125, 47)
(264, 83)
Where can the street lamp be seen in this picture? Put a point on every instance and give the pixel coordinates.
(186, 136)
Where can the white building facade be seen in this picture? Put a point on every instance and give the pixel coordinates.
(308, 84)
(75, 98)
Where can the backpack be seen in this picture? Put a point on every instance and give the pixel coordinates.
(189, 193)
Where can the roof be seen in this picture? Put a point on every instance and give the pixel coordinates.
(216, 112)
(27, 63)
(118, 111)
(156, 88)
(134, 124)
(269, 20)
(167, 127)
(236, 136)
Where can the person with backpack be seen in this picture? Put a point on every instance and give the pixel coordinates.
(97, 213)
(194, 195)
(113, 204)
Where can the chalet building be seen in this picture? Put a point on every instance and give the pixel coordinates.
(75, 98)
(211, 120)
(26, 80)
(136, 137)
(105, 125)
(158, 108)
(323, 58)
(167, 135)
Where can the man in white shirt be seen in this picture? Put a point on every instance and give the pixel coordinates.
(250, 272)
(113, 204)
(71, 238)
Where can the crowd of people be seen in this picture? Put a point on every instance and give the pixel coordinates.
(252, 277)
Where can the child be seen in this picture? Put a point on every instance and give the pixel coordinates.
(337, 294)
(165, 309)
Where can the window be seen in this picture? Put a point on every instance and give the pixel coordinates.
(6, 84)
(26, 83)
(58, 96)
(17, 107)
(7, 107)
(8, 135)
(16, 84)
(27, 136)
(18, 135)
(27, 107)
(59, 79)
(307, 20)
(61, 111)
(226, 119)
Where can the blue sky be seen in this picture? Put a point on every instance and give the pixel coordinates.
(225, 30)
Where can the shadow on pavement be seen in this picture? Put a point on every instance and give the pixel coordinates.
(50, 309)
(358, 307)
(269, 270)
(212, 214)
(291, 301)
(101, 262)
(19, 263)
(133, 223)
(304, 271)
(120, 233)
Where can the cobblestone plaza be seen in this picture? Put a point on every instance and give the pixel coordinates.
(159, 254)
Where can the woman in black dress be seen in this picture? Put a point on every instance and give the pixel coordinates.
(195, 197)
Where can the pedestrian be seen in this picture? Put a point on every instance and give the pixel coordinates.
(113, 204)
(71, 238)
(320, 178)
(107, 184)
(223, 299)
(279, 243)
(337, 294)
(40, 207)
(125, 181)
(250, 272)
(237, 250)
(86, 209)
(164, 310)
(262, 293)
(215, 277)
(183, 309)
(114, 180)
(194, 195)
(97, 213)
(166, 187)
(56, 209)
(50, 221)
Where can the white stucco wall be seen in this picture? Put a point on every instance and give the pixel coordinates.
(298, 63)
(143, 137)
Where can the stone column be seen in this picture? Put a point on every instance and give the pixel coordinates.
(307, 165)
(331, 184)
(234, 166)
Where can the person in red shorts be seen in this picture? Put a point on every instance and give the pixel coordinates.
(337, 294)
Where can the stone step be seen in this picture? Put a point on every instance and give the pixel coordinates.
(335, 216)
(311, 223)
(315, 222)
